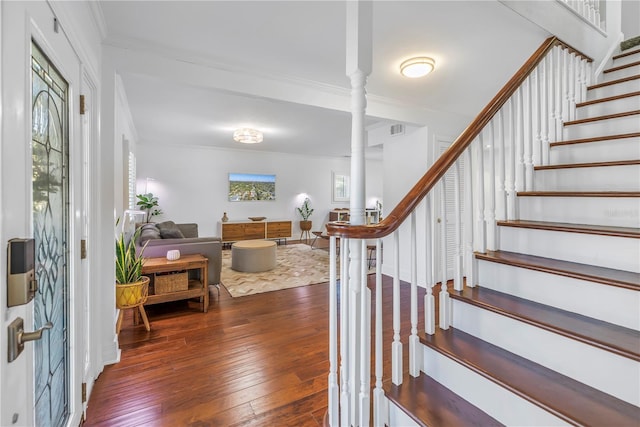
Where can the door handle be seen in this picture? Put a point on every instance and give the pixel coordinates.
(17, 337)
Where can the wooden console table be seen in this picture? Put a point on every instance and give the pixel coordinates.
(197, 288)
(233, 231)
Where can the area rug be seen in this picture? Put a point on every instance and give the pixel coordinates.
(297, 265)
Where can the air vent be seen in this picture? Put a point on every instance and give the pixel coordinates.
(397, 129)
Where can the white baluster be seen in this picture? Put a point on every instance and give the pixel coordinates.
(414, 342)
(469, 268)
(596, 16)
(501, 199)
(333, 402)
(457, 265)
(519, 141)
(528, 136)
(544, 108)
(572, 85)
(445, 301)
(365, 339)
(396, 346)
(557, 91)
(490, 201)
(478, 191)
(429, 301)
(511, 159)
(379, 401)
(345, 339)
(535, 117)
(565, 86)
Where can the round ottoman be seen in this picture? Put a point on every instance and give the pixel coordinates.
(253, 256)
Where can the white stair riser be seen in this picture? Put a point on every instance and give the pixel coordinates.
(498, 402)
(607, 211)
(613, 90)
(605, 251)
(566, 356)
(626, 59)
(604, 178)
(620, 74)
(598, 151)
(615, 126)
(609, 107)
(577, 296)
(398, 418)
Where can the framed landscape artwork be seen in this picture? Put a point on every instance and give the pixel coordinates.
(251, 186)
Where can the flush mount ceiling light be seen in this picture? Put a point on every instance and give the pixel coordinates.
(247, 136)
(417, 67)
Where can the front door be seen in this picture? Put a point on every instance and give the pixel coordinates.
(40, 77)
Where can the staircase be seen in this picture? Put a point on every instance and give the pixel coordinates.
(550, 336)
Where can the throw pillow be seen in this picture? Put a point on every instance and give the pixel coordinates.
(148, 232)
(169, 230)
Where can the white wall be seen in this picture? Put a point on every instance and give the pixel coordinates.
(630, 20)
(406, 159)
(192, 184)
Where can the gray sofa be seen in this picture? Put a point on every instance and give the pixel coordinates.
(164, 236)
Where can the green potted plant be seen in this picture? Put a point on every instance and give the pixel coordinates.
(305, 212)
(132, 288)
(149, 203)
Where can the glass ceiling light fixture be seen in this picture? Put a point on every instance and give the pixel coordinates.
(247, 136)
(417, 67)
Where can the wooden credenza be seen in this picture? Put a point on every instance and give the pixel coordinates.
(233, 231)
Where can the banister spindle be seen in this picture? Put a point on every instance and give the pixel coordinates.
(469, 261)
(414, 342)
(544, 108)
(365, 339)
(535, 117)
(490, 202)
(557, 90)
(501, 199)
(379, 401)
(528, 136)
(478, 191)
(457, 261)
(519, 141)
(511, 159)
(396, 346)
(445, 302)
(333, 401)
(345, 339)
(429, 302)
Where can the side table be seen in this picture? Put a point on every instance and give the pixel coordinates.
(196, 288)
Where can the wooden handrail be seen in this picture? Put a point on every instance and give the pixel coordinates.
(413, 198)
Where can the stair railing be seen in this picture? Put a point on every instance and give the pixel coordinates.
(485, 167)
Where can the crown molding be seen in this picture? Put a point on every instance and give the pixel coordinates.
(98, 18)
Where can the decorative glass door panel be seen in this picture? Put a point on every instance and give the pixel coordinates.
(50, 188)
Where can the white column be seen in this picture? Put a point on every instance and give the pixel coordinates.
(396, 346)
(359, 19)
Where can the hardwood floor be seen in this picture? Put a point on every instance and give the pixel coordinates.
(259, 360)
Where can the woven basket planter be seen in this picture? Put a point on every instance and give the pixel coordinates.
(132, 294)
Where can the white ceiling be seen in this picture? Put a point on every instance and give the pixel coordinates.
(477, 46)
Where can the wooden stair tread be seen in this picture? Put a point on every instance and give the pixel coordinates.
(623, 54)
(580, 193)
(603, 230)
(588, 165)
(621, 67)
(607, 99)
(603, 275)
(429, 403)
(607, 336)
(604, 117)
(596, 139)
(566, 398)
(614, 82)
